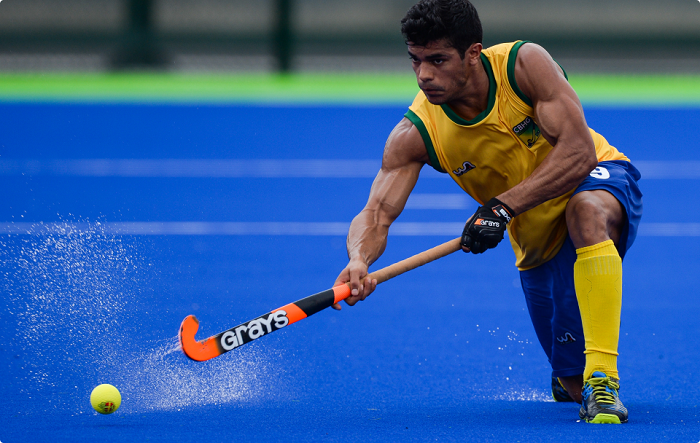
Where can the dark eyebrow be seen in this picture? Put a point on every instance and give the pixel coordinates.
(435, 56)
(430, 57)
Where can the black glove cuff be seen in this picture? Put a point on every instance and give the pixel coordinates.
(494, 203)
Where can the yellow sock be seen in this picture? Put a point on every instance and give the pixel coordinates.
(598, 282)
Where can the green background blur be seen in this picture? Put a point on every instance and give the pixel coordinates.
(310, 51)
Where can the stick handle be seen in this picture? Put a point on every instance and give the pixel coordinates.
(420, 259)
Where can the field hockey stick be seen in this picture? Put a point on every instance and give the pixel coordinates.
(244, 333)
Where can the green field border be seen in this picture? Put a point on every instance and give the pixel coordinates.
(311, 88)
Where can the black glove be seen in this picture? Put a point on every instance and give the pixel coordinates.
(486, 227)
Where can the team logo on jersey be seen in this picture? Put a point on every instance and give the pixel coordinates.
(528, 131)
(566, 338)
(466, 167)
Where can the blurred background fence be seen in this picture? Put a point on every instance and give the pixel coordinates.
(330, 35)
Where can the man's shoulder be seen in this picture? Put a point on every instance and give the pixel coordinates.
(501, 49)
(503, 56)
(406, 143)
(498, 47)
(518, 48)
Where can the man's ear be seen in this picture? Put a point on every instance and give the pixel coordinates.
(473, 54)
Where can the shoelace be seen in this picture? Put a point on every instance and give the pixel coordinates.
(602, 395)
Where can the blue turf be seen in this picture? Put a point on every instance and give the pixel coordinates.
(443, 353)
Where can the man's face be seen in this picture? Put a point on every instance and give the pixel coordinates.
(441, 73)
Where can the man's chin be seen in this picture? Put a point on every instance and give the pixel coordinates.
(436, 100)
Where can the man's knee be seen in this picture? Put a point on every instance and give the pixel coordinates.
(594, 217)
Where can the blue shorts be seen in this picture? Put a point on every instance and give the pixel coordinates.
(549, 288)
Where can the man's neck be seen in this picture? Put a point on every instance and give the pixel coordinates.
(475, 99)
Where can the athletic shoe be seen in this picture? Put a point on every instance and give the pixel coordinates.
(559, 393)
(601, 403)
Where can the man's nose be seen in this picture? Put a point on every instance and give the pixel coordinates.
(424, 72)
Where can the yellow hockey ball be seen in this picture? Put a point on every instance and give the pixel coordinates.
(105, 399)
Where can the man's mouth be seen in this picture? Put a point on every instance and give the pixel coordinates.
(431, 90)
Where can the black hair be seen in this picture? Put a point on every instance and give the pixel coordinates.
(454, 20)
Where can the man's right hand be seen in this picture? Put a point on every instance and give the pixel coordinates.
(404, 156)
(360, 284)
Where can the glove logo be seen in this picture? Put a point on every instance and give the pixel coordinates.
(466, 167)
(501, 212)
(489, 223)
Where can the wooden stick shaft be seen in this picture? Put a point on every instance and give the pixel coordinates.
(293, 312)
(391, 271)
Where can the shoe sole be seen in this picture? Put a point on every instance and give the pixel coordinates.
(606, 419)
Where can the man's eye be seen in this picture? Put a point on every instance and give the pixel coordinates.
(438, 62)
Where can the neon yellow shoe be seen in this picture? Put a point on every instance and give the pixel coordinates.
(601, 403)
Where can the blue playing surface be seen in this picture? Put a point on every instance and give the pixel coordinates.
(443, 353)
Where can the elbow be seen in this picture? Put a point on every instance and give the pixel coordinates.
(588, 161)
(590, 164)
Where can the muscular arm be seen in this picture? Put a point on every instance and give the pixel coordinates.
(404, 156)
(559, 115)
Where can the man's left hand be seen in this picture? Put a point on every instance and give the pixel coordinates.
(484, 230)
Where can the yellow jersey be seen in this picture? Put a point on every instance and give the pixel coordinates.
(498, 149)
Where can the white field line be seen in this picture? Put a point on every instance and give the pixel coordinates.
(193, 168)
(418, 229)
(262, 168)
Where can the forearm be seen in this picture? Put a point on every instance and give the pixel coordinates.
(560, 172)
(367, 237)
(368, 232)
